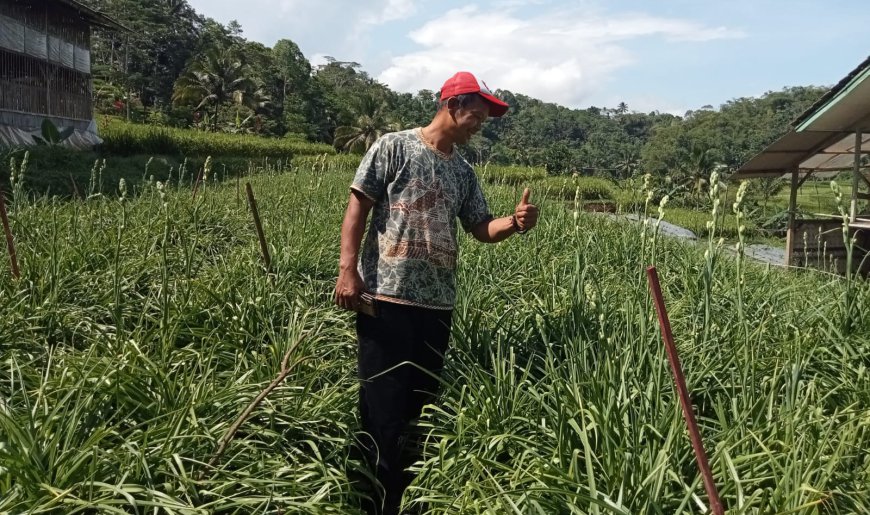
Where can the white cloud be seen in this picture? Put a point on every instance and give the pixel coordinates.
(335, 25)
(507, 4)
(392, 10)
(561, 56)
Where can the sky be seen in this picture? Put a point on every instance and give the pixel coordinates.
(666, 55)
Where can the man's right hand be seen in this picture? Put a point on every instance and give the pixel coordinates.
(348, 289)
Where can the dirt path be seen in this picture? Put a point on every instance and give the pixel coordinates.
(759, 252)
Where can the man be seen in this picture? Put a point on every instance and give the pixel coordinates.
(403, 288)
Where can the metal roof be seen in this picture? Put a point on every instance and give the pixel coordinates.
(823, 137)
(824, 152)
(94, 16)
(855, 74)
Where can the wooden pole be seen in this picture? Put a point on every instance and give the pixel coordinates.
(856, 173)
(10, 242)
(75, 188)
(264, 248)
(196, 183)
(683, 393)
(127, 73)
(792, 209)
(286, 368)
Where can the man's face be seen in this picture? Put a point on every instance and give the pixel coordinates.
(470, 118)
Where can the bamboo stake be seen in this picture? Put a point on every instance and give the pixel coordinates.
(75, 188)
(10, 242)
(231, 432)
(264, 248)
(196, 183)
(683, 392)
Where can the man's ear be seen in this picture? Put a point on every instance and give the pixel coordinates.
(453, 103)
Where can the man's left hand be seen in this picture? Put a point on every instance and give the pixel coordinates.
(526, 213)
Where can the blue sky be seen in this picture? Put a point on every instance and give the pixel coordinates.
(670, 55)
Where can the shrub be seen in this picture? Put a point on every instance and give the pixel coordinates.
(588, 188)
(326, 162)
(59, 170)
(127, 139)
(511, 175)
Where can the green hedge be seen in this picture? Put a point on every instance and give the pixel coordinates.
(510, 175)
(327, 163)
(54, 171)
(588, 188)
(128, 139)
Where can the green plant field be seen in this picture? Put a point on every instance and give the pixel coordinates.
(68, 173)
(125, 139)
(141, 327)
(510, 175)
(815, 197)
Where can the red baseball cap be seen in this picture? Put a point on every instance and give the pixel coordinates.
(464, 82)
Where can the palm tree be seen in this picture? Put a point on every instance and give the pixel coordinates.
(700, 165)
(628, 164)
(215, 78)
(622, 108)
(372, 122)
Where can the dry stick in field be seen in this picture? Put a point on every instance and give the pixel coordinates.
(10, 242)
(264, 248)
(75, 187)
(231, 432)
(683, 392)
(196, 184)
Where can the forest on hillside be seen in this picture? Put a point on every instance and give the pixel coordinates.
(180, 68)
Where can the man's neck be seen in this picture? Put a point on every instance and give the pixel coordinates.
(437, 135)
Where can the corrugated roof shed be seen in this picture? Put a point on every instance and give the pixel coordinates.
(823, 137)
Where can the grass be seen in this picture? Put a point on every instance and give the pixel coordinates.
(815, 197)
(66, 173)
(696, 221)
(510, 175)
(125, 139)
(142, 326)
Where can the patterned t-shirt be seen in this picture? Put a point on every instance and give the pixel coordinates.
(409, 254)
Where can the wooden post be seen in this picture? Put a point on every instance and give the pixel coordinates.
(264, 248)
(127, 73)
(45, 68)
(683, 393)
(196, 182)
(10, 242)
(856, 172)
(75, 188)
(792, 208)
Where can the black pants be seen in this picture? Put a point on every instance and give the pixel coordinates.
(401, 355)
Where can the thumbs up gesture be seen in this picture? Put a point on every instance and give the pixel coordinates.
(526, 213)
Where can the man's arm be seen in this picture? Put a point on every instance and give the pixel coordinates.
(350, 284)
(498, 229)
(493, 230)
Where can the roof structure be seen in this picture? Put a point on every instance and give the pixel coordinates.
(95, 17)
(823, 138)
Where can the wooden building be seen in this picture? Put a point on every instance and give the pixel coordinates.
(45, 67)
(831, 137)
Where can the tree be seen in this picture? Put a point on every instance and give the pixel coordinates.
(628, 164)
(292, 69)
(371, 124)
(147, 61)
(214, 79)
(699, 167)
(291, 88)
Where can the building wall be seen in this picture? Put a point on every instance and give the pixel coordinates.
(819, 244)
(45, 66)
